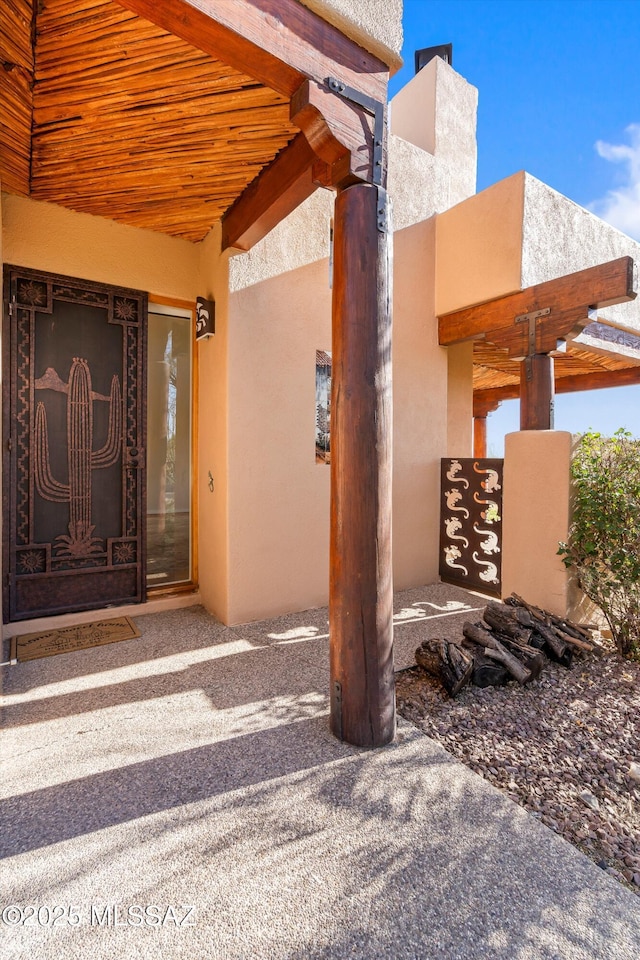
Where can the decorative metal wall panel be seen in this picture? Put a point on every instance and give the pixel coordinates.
(471, 523)
(74, 442)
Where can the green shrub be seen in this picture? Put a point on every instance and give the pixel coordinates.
(603, 548)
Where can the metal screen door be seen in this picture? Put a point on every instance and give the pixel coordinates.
(74, 444)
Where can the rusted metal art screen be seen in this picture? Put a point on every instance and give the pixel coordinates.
(74, 461)
(471, 523)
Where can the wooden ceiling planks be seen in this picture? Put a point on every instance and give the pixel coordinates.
(493, 369)
(16, 75)
(129, 121)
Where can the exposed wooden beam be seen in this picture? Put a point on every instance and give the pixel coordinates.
(489, 398)
(340, 132)
(293, 51)
(279, 42)
(278, 190)
(568, 301)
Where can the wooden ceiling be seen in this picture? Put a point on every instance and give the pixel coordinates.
(493, 369)
(107, 114)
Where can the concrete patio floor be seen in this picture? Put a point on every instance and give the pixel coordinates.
(193, 767)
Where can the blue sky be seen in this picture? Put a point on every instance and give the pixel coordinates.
(559, 96)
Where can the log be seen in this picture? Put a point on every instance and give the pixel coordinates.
(557, 647)
(484, 638)
(532, 659)
(488, 672)
(447, 662)
(585, 646)
(499, 616)
(428, 658)
(456, 670)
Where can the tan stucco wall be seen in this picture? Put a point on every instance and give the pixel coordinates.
(279, 315)
(47, 237)
(278, 495)
(419, 410)
(460, 400)
(560, 237)
(437, 111)
(535, 511)
(478, 246)
(212, 412)
(520, 232)
(375, 24)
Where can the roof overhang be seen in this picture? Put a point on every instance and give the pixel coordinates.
(175, 115)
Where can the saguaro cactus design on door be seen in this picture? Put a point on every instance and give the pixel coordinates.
(74, 451)
(81, 458)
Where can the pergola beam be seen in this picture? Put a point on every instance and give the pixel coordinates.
(278, 42)
(287, 47)
(274, 194)
(567, 303)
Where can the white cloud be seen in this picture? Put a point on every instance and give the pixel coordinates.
(621, 207)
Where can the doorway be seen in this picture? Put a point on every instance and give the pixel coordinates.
(74, 377)
(170, 447)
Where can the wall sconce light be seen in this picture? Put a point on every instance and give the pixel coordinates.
(205, 318)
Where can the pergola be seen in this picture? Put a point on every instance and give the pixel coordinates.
(178, 114)
(524, 344)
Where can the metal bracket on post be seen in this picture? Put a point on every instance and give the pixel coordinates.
(382, 210)
(376, 109)
(531, 318)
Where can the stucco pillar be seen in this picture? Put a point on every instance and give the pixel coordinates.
(535, 517)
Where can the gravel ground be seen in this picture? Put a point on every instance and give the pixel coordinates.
(562, 747)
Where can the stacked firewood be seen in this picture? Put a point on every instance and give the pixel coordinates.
(512, 642)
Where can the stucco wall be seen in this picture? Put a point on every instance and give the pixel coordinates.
(478, 246)
(560, 237)
(278, 495)
(375, 24)
(460, 400)
(47, 237)
(213, 437)
(535, 519)
(520, 232)
(419, 409)
(437, 112)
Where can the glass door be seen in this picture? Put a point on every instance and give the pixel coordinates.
(169, 446)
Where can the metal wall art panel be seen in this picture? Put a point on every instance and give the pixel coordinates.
(471, 523)
(74, 403)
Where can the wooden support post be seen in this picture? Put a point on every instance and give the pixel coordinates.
(536, 392)
(361, 586)
(479, 436)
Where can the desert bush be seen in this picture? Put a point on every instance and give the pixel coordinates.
(603, 547)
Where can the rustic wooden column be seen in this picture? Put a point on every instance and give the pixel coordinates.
(479, 436)
(536, 392)
(361, 587)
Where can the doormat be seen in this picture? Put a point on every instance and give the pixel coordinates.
(81, 636)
